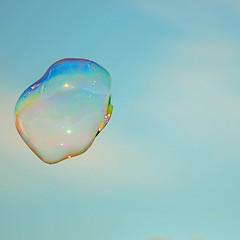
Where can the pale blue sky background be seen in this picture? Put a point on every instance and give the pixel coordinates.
(167, 165)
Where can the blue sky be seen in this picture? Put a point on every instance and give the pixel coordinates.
(167, 165)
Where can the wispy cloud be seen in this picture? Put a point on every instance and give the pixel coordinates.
(198, 238)
(196, 90)
(202, 17)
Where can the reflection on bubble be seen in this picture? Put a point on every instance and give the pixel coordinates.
(60, 115)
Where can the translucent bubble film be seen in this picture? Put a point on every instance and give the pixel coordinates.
(60, 115)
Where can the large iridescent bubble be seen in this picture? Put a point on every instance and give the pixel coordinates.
(60, 115)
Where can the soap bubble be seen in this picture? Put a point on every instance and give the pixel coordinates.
(60, 115)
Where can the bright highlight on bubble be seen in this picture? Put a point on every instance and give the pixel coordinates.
(60, 115)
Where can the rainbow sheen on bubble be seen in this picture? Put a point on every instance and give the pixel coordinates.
(60, 115)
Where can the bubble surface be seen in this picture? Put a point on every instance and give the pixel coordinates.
(60, 115)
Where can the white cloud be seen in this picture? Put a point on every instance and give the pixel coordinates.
(198, 238)
(195, 93)
(204, 17)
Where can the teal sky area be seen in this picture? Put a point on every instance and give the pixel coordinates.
(166, 167)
